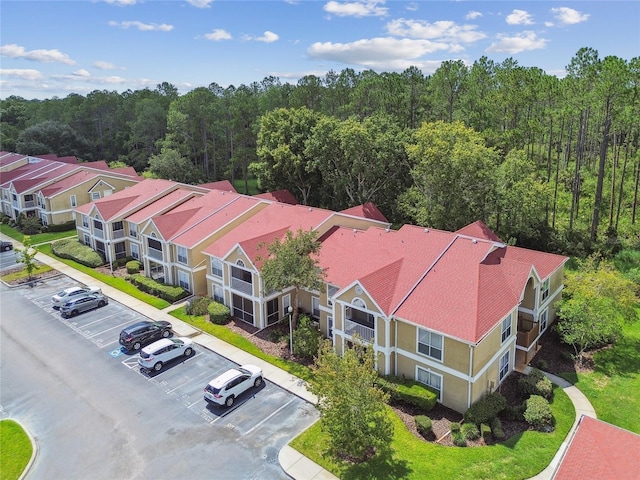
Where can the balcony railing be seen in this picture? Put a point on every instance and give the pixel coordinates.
(29, 203)
(98, 233)
(118, 234)
(153, 253)
(353, 328)
(241, 286)
(527, 334)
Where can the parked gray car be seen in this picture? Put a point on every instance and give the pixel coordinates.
(82, 304)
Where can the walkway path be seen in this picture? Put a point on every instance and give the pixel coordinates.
(293, 462)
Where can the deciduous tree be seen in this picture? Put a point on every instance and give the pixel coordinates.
(353, 409)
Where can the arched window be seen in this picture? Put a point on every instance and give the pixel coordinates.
(240, 263)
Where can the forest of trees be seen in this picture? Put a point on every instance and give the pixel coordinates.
(547, 163)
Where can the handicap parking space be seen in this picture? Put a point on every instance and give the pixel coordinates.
(260, 412)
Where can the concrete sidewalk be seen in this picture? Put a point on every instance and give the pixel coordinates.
(292, 462)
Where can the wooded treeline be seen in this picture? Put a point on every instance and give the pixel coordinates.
(548, 163)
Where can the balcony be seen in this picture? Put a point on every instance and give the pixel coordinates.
(241, 286)
(528, 331)
(354, 328)
(154, 253)
(118, 234)
(98, 233)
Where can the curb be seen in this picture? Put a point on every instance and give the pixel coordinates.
(34, 445)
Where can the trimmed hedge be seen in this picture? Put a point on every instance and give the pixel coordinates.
(62, 227)
(408, 391)
(485, 431)
(536, 383)
(72, 249)
(496, 428)
(486, 409)
(218, 313)
(133, 266)
(423, 425)
(170, 293)
(470, 431)
(538, 413)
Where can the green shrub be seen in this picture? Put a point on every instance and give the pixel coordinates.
(470, 431)
(408, 391)
(133, 266)
(485, 431)
(423, 425)
(538, 413)
(514, 412)
(72, 249)
(218, 313)
(567, 355)
(306, 338)
(536, 383)
(486, 409)
(170, 293)
(63, 227)
(457, 437)
(198, 306)
(496, 428)
(542, 365)
(30, 225)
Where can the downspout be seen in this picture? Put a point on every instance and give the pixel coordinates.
(470, 373)
(395, 350)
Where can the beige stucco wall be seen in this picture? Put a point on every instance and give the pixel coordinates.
(491, 343)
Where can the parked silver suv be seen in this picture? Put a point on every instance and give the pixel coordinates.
(83, 303)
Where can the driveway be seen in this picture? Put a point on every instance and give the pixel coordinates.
(95, 415)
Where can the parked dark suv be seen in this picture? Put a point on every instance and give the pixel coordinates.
(143, 333)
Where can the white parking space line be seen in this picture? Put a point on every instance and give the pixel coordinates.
(108, 329)
(95, 321)
(102, 345)
(265, 419)
(189, 382)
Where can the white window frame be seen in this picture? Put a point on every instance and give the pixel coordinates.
(426, 337)
(85, 221)
(135, 252)
(217, 293)
(504, 366)
(428, 379)
(505, 329)
(95, 196)
(216, 262)
(544, 290)
(182, 255)
(544, 319)
(73, 201)
(331, 291)
(315, 307)
(183, 280)
(87, 239)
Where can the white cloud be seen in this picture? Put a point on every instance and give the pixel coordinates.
(366, 8)
(519, 17)
(569, 16)
(82, 73)
(391, 53)
(200, 3)
(121, 3)
(102, 65)
(143, 27)
(443, 30)
(472, 15)
(46, 56)
(23, 74)
(517, 43)
(268, 37)
(412, 6)
(218, 34)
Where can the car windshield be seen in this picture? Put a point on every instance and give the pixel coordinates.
(144, 354)
(62, 293)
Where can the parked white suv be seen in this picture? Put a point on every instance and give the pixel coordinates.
(154, 356)
(70, 293)
(224, 389)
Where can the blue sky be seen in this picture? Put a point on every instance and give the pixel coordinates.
(54, 48)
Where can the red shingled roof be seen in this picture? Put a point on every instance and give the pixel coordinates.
(224, 185)
(452, 283)
(367, 210)
(282, 196)
(600, 450)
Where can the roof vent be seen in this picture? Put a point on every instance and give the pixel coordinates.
(355, 231)
(386, 229)
(475, 240)
(426, 230)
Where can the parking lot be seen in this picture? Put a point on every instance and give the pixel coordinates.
(264, 416)
(8, 260)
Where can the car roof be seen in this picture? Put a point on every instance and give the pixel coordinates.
(158, 344)
(136, 326)
(220, 380)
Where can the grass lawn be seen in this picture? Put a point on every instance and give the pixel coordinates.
(22, 274)
(16, 450)
(613, 386)
(223, 333)
(115, 282)
(519, 457)
(38, 238)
